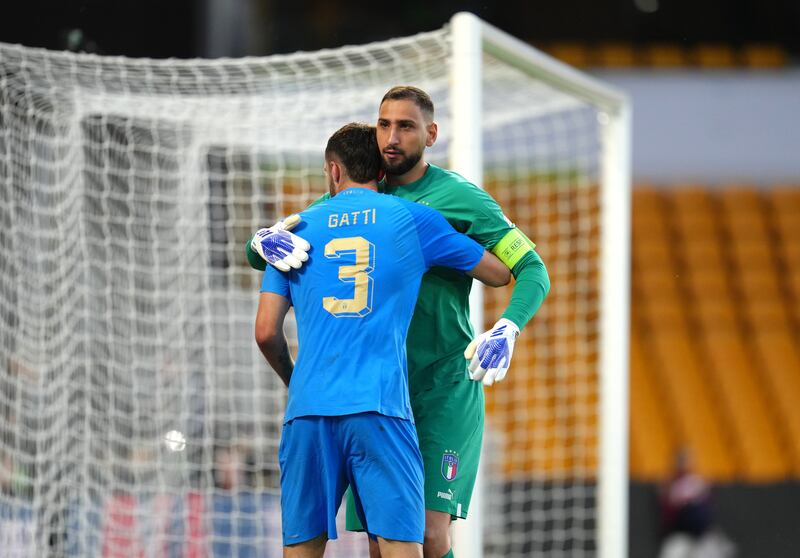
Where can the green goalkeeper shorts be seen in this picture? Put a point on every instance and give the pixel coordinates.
(449, 422)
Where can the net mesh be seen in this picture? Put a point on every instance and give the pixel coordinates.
(138, 418)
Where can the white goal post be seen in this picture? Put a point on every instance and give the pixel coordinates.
(471, 38)
(137, 417)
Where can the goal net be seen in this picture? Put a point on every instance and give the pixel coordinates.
(137, 417)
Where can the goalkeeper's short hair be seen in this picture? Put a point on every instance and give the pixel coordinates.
(411, 93)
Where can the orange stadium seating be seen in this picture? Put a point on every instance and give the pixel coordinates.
(615, 55)
(667, 56)
(652, 441)
(715, 320)
(763, 56)
(713, 55)
(664, 55)
(715, 336)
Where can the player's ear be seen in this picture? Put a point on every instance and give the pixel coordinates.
(433, 133)
(336, 172)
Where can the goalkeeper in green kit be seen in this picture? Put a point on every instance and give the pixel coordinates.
(446, 389)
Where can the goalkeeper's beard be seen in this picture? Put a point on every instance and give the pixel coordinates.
(402, 167)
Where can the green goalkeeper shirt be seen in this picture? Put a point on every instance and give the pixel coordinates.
(440, 329)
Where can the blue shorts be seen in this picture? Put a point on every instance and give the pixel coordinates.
(378, 456)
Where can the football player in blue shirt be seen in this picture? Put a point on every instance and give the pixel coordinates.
(348, 418)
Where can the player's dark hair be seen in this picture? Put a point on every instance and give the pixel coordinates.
(355, 146)
(411, 93)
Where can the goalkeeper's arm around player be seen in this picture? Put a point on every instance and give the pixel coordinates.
(490, 353)
(285, 251)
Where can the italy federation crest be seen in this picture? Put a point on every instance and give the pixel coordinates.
(449, 465)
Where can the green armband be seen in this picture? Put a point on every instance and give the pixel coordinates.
(512, 247)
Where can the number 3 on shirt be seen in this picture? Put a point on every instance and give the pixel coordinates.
(361, 303)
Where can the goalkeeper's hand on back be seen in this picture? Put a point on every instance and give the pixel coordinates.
(490, 352)
(279, 247)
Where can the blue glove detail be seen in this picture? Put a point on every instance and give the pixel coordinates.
(490, 353)
(280, 248)
(276, 246)
(493, 352)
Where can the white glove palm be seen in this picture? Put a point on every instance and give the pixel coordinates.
(280, 248)
(490, 353)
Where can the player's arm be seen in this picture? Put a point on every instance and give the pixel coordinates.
(277, 246)
(273, 304)
(490, 353)
(491, 271)
(271, 340)
(477, 214)
(532, 283)
(482, 219)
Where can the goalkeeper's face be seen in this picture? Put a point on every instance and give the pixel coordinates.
(403, 134)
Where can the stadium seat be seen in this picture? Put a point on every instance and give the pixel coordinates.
(713, 56)
(647, 195)
(748, 254)
(707, 284)
(698, 421)
(690, 226)
(652, 441)
(785, 197)
(652, 251)
(786, 223)
(745, 228)
(755, 439)
(691, 198)
(574, 54)
(767, 315)
(779, 359)
(759, 285)
(657, 284)
(705, 253)
(664, 55)
(714, 313)
(763, 56)
(739, 197)
(663, 314)
(789, 253)
(792, 282)
(614, 55)
(648, 226)
(792, 279)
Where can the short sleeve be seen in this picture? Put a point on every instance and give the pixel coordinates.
(277, 282)
(441, 244)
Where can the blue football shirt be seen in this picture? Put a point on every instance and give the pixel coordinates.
(355, 296)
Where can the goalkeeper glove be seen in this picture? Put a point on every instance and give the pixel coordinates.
(490, 353)
(280, 248)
